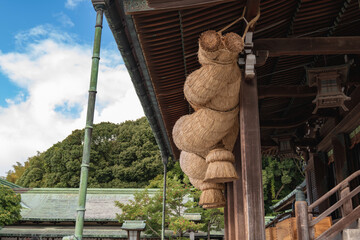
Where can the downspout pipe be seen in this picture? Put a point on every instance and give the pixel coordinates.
(165, 161)
(79, 226)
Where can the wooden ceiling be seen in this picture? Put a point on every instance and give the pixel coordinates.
(168, 32)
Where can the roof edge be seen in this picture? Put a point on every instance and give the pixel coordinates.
(138, 72)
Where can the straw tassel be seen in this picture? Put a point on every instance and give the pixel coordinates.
(211, 197)
(212, 193)
(207, 136)
(221, 166)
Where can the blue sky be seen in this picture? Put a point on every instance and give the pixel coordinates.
(45, 59)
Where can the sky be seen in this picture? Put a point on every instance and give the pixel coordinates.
(45, 62)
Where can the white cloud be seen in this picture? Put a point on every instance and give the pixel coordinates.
(71, 4)
(64, 19)
(55, 73)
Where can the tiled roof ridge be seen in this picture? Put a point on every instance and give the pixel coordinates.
(90, 190)
(9, 184)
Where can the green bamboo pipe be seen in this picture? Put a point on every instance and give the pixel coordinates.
(79, 226)
(165, 161)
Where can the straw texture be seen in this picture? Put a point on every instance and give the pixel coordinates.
(203, 129)
(193, 165)
(212, 197)
(207, 136)
(220, 168)
(210, 206)
(201, 185)
(229, 140)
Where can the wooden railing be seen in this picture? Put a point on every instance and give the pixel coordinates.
(306, 223)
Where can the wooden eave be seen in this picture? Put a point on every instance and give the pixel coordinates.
(296, 34)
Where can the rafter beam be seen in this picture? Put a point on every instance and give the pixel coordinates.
(286, 91)
(252, 7)
(308, 46)
(141, 6)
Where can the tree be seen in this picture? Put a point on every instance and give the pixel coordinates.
(280, 177)
(9, 206)
(149, 208)
(210, 218)
(13, 176)
(122, 156)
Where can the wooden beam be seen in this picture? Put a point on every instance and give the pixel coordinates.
(229, 213)
(238, 195)
(251, 180)
(252, 8)
(308, 46)
(346, 125)
(340, 225)
(288, 123)
(141, 6)
(341, 169)
(295, 91)
(340, 155)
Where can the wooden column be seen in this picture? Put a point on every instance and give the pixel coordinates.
(340, 154)
(239, 221)
(251, 164)
(301, 214)
(229, 213)
(341, 169)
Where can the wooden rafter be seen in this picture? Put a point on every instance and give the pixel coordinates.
(308, 46)
(336, 22)
(286, 91)
(141, 6)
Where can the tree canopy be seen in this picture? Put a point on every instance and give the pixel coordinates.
(280, 177)
(122, 156)
(145, 207)
(9, 206)
(126, 156)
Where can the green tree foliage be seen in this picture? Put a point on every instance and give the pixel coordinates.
(9, 206)
(280, 177)
(149, 208)
(122, 156)
(19, 169)
(212, 219)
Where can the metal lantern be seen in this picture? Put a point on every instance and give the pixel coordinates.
(285, 144)
(328, 81)
(134, 228)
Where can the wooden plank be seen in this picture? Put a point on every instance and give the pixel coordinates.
(321, 180)
(286, 229)
(230, 217)
(238, 195)
(226, 220)
(141, 6)
(252, 7)
(347, 124)
(340, 157)
(333, 190)
(334, 207)
(251, 161)
(301, 214)
(308, 46)
(340, 225)
(322, 226)
(286, 91)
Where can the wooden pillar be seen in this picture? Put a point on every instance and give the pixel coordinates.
(340, 154)
(251, 164)
(239, 221)
(301, 214)
(229, 213)
(341, 169)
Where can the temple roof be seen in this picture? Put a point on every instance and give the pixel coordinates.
(158, 42)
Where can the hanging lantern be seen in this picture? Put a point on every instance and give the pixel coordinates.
(328, 81)
(285, 144)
